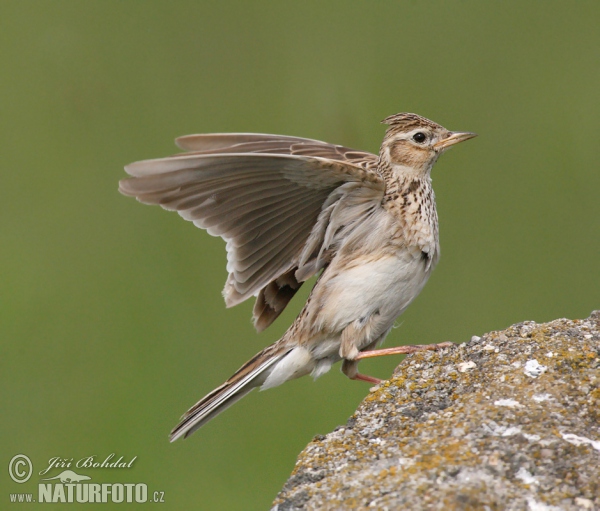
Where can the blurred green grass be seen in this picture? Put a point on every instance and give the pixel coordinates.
(112, 319)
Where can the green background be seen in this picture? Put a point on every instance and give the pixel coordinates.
(112, 322)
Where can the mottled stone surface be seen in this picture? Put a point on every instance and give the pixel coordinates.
(507, 421)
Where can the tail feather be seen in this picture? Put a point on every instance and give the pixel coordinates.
(251, 375)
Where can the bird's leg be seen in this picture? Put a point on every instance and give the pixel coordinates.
(403, 350)
(350, 369)
(351, 355)
(349, 352)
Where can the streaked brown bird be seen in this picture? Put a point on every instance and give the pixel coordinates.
(290, 208)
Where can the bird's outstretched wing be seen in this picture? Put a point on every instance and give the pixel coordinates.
(268, 196)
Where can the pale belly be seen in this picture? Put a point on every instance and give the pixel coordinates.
(373, 291)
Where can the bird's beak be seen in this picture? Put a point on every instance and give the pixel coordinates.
(454, 137)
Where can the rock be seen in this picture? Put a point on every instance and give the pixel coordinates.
(507, 421)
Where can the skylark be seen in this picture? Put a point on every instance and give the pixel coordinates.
(290, 208)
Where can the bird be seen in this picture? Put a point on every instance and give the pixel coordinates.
(291, 208)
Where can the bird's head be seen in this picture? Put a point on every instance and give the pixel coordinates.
(412, 143)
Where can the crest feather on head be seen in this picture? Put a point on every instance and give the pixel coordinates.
(407, 121)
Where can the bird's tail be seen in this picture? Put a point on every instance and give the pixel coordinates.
(252, 374)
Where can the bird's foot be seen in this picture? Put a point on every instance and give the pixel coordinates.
(403, 350)
(350, 369)
(366, 377)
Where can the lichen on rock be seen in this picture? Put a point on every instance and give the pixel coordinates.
(507, 421)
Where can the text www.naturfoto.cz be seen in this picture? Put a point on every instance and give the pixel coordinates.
(89, 493)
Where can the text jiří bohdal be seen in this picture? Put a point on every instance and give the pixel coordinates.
(92, 461)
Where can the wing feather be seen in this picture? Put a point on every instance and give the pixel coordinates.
(275, 144)
(273, 241)
(258, 218)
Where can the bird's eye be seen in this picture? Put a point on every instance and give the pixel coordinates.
(419, 137)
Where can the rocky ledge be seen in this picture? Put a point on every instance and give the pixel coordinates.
(507, 421)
